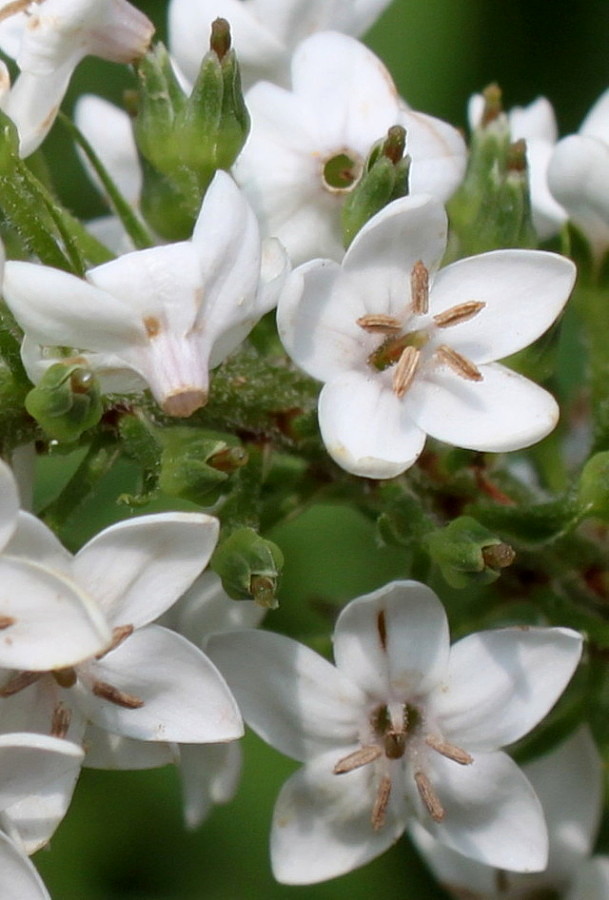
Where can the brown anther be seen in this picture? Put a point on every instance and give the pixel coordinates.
(6, 622)
(419, 289)
(404, 370)
(114, 695)
(429, 797)
(19, 682)
(460, 313)
(381, 627)
(378, 323)
(450, 751)
(119, 634)
(152, 326)
(60, 722)
(357, 759)
(65, 678)
(381, 803)
(461, 365)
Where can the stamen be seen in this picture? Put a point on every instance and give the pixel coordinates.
(460, 313)
(114, 695)
(450, 751)
(419, 289)
(378, 323)
(461, 365)
(19, 683)
(381, 803)
(118, 636)
(17, 6)
(405, 370)
(6, 622)
(428, 796)
(357, 759)
(65, 678)
(60, 723)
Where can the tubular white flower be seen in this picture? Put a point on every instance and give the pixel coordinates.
(166, 315)
(568, 782)
(342, 102)
(416, 347)
(264, 32)
(394, 733)
(48, 39)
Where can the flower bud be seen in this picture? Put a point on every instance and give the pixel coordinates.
(249, 566)
(385, 178)
(195, 464)
(66, 401)
(467, 553)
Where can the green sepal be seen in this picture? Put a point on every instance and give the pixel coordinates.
(250, 567)
(593, 488)
(468, 553)
(66, 402)
(195, 464)
(385, 178)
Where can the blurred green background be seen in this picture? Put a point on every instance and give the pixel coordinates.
(123, 838)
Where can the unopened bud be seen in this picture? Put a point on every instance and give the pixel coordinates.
(249, 566)
(196, 464)
(66, 401)
(467, 553)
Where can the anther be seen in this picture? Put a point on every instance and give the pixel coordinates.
(378, 323)
(381, 803)
(65, 678)
(118, 636)
(6, 622)
(429, 797)
(460, 313)
(461, 365)
(405, 369)
(19, 683)
(114, 695)
(419, 289)
(60, 722)
(450, 751)
(357, 759)
(17, 6)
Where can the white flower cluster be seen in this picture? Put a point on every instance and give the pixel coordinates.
(404, 732)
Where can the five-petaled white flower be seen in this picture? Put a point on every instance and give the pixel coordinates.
(405, 726)
(264, 32)
(307, 147)
(569, 783)
(406, 350)
(163, 316)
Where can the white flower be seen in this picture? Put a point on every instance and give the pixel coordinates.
(406, 350)
(342, 102)
(403, 727)
(163, 316)
(18, 877)
(264, 32)
(48, 39)
(578, 176)
(535, 124)
(568, 782)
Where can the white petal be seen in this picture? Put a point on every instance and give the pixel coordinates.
(366, 428)
(137, 568)
(293, 698)
(9, 504)
(591, 880)
(503, 411)
(524, 291)
(35, 541)
(33, 103)
(29, 762)
(525, 671)
(453, 870)
(55, 623)
(492, 814)
(535, 121)
(108, 130)
(393, 642)
(184, 696)
(322, 823)
(210, 774)
(438, 153)
(596, 123)
(36, 818)
(18, 876)
(113, 751)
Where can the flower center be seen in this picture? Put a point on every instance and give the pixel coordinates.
(340, 172)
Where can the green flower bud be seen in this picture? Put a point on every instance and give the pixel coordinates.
(467, 553)
(249, 566)
(195, 465)
(66, 402)
(385, 178)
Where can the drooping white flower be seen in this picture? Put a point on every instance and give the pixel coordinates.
(160, 317)
(407, 350)
(535, 124)
(48, 38)
(568, 782)
(403, 727)
(342, 102)
(264, 32)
